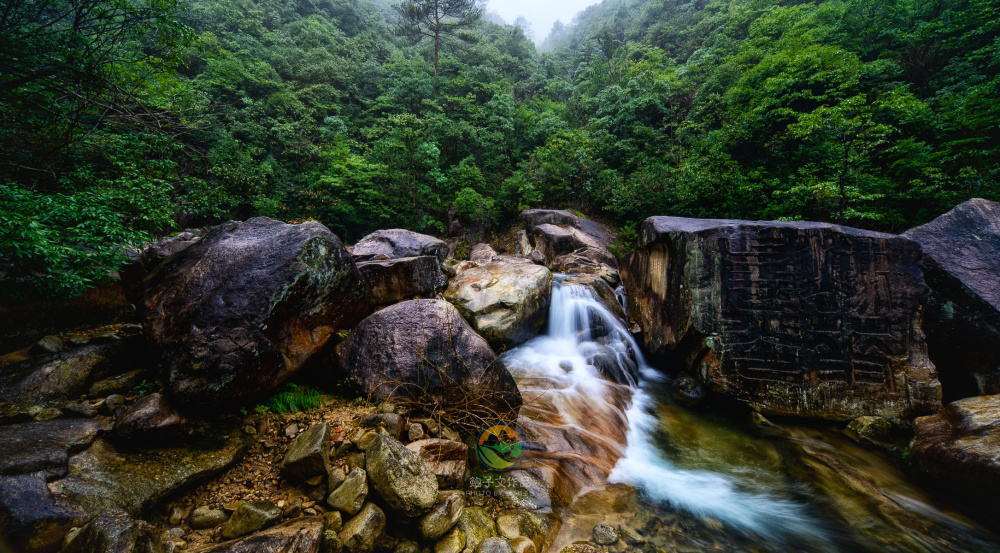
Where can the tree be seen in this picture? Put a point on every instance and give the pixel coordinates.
(440, 20)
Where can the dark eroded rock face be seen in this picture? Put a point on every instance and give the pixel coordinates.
(394, 280)
(68, 374)
(424, 348)
(114, 531)
(506, 300)
(397, 243)
(962, 268)
(236, 314)
(806, 319)
(302, 535)
(44, 445)
(959, 448)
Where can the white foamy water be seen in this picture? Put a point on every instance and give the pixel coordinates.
(572, 367)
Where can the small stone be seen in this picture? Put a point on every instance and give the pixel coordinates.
(406, 546)
(48, 344)
(291, 430)
(232, 506)
(250, 517)
(356, 461)
(176, 515)
(431, 425)
(452, 542)
(361, 532)
(494, 545)
(333, 521)
(415, 432)
(173, 534)
(250, 429)
(314, 481)
(447, 460)
(449, 434)
(387, 408)
(308, 455)
(335, 479)
(205, 517)
(605, 535)
(642, 522)
(443, 516)
(46, 414)
(73, 532)
(80, 409)
(113, 402)
(331, 543)
(310, 512)
(169, 547)
(630, 536)
(350, 495)
(366, 440)
(404, 481)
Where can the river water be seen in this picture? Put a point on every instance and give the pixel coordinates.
(608, 443)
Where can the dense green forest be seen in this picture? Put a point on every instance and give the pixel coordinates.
(120, 119)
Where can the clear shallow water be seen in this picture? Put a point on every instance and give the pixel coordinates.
(756, 488)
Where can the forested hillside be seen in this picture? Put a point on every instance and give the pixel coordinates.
(121, 119)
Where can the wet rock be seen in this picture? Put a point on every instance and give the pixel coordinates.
(32, 518)
(446, 459)
(477, 525)
(523, 247)
(791, 318)
(235, 315)
(879, 431)
(443, 516)
(66, 375)
(301, 535)
(404, 481)
(80, 409)
(397, 243)
(45, 413)
(103, 477)
(47, 445)
(393, 280)
(361, 532)
(961, 264)
(630, 536)
(482, 253)
(173, 534)
(605, 535)
(452, 542)
(150, 418)
(308, 455)
(250, 517)
(205, 517)
(350, 495)
(506, 300)
(114, 532)
(424, 350)
(959, 447)
(687, 389)
(494, 545)
(581, 547)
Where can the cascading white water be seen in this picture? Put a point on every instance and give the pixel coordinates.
(581, 368)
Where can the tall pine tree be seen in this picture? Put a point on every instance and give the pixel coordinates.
(441, 20)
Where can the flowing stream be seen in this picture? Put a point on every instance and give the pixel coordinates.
(605, 441)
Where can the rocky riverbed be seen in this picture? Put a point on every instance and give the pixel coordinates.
(801, 376)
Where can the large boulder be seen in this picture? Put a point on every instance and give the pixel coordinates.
(962, 268)
(424, 351)
(959, 448)
(791, 318)
(149, 419)
(401, 477)
(241, 311)
(393, 280)
(506, 300)
(571, 244)
(397, 243)
(44, 445)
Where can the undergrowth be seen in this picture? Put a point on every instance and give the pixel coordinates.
(291, 398)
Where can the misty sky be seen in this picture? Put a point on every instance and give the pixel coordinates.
(541, 13)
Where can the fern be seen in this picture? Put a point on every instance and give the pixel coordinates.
(292, 398)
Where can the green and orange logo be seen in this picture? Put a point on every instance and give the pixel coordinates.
(499, 447)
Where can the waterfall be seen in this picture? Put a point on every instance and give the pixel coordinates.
(587, 411)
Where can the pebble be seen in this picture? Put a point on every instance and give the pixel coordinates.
(605, 535)
(310, 512)
(291, 430)
(176, 515)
